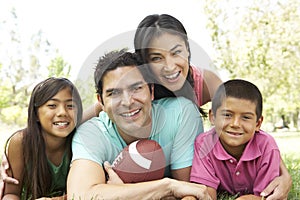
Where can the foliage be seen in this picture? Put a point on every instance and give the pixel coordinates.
(23, 63)
(257, 40)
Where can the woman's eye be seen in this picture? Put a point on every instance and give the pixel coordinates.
(155, 59)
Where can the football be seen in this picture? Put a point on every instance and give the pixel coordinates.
(140, 161)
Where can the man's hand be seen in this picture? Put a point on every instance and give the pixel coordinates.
(113, 177)
(279, 187)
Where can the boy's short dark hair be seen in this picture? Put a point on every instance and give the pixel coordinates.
(113, 60)
(240, 89)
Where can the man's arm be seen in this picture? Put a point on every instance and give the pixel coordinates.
(280, 186)
(86, 180)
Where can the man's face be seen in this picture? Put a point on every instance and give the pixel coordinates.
(127, 101)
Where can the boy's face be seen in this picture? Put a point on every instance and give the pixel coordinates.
(127, 100)
(236, 122)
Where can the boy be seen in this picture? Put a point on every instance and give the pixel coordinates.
(236, 156)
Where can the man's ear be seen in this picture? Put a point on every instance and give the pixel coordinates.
(211, 117)
(152, 91)
(100, 101)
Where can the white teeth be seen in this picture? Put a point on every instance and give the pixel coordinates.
(172, 76)
(61, 123)
(130, 114)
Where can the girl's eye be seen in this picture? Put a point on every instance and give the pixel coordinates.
(51, 106)
(71, 106)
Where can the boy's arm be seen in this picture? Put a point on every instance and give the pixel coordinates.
(86, 180)
(280, 186)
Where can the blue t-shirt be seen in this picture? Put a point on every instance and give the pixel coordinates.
(175, 124)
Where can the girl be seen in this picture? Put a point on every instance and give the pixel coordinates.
(39, 155)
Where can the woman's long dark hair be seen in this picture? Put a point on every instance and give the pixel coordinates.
(37, 174)
(154, 26)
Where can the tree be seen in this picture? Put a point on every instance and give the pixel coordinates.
(23, 64)
(258, 40)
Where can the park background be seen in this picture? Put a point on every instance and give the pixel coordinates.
(257, 40)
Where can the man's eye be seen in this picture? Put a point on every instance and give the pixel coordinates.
(114, 93)
(177, 52)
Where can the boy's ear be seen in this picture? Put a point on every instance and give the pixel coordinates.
(258, 123)
(211, 117)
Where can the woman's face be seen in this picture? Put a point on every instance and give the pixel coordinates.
(168, 58)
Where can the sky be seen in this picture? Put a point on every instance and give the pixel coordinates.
(78, 28)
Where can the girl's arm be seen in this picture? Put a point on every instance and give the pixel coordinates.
(16, 162)
(249, 197)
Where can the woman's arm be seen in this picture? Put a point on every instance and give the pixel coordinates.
(91, 112)
(211, 82)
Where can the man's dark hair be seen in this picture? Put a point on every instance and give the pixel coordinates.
(113, 60)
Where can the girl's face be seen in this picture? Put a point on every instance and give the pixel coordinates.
(168, 58)
(58, 115)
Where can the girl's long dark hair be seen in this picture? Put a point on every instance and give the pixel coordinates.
(37, 174)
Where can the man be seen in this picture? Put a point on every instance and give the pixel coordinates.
(128, 115)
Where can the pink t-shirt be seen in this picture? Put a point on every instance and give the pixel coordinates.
(198, 83)
(214, 167)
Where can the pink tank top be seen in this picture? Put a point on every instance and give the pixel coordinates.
(198, 83)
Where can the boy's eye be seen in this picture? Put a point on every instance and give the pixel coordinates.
(246, 117)
(226, 114)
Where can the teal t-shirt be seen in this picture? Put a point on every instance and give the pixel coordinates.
(175, 124)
